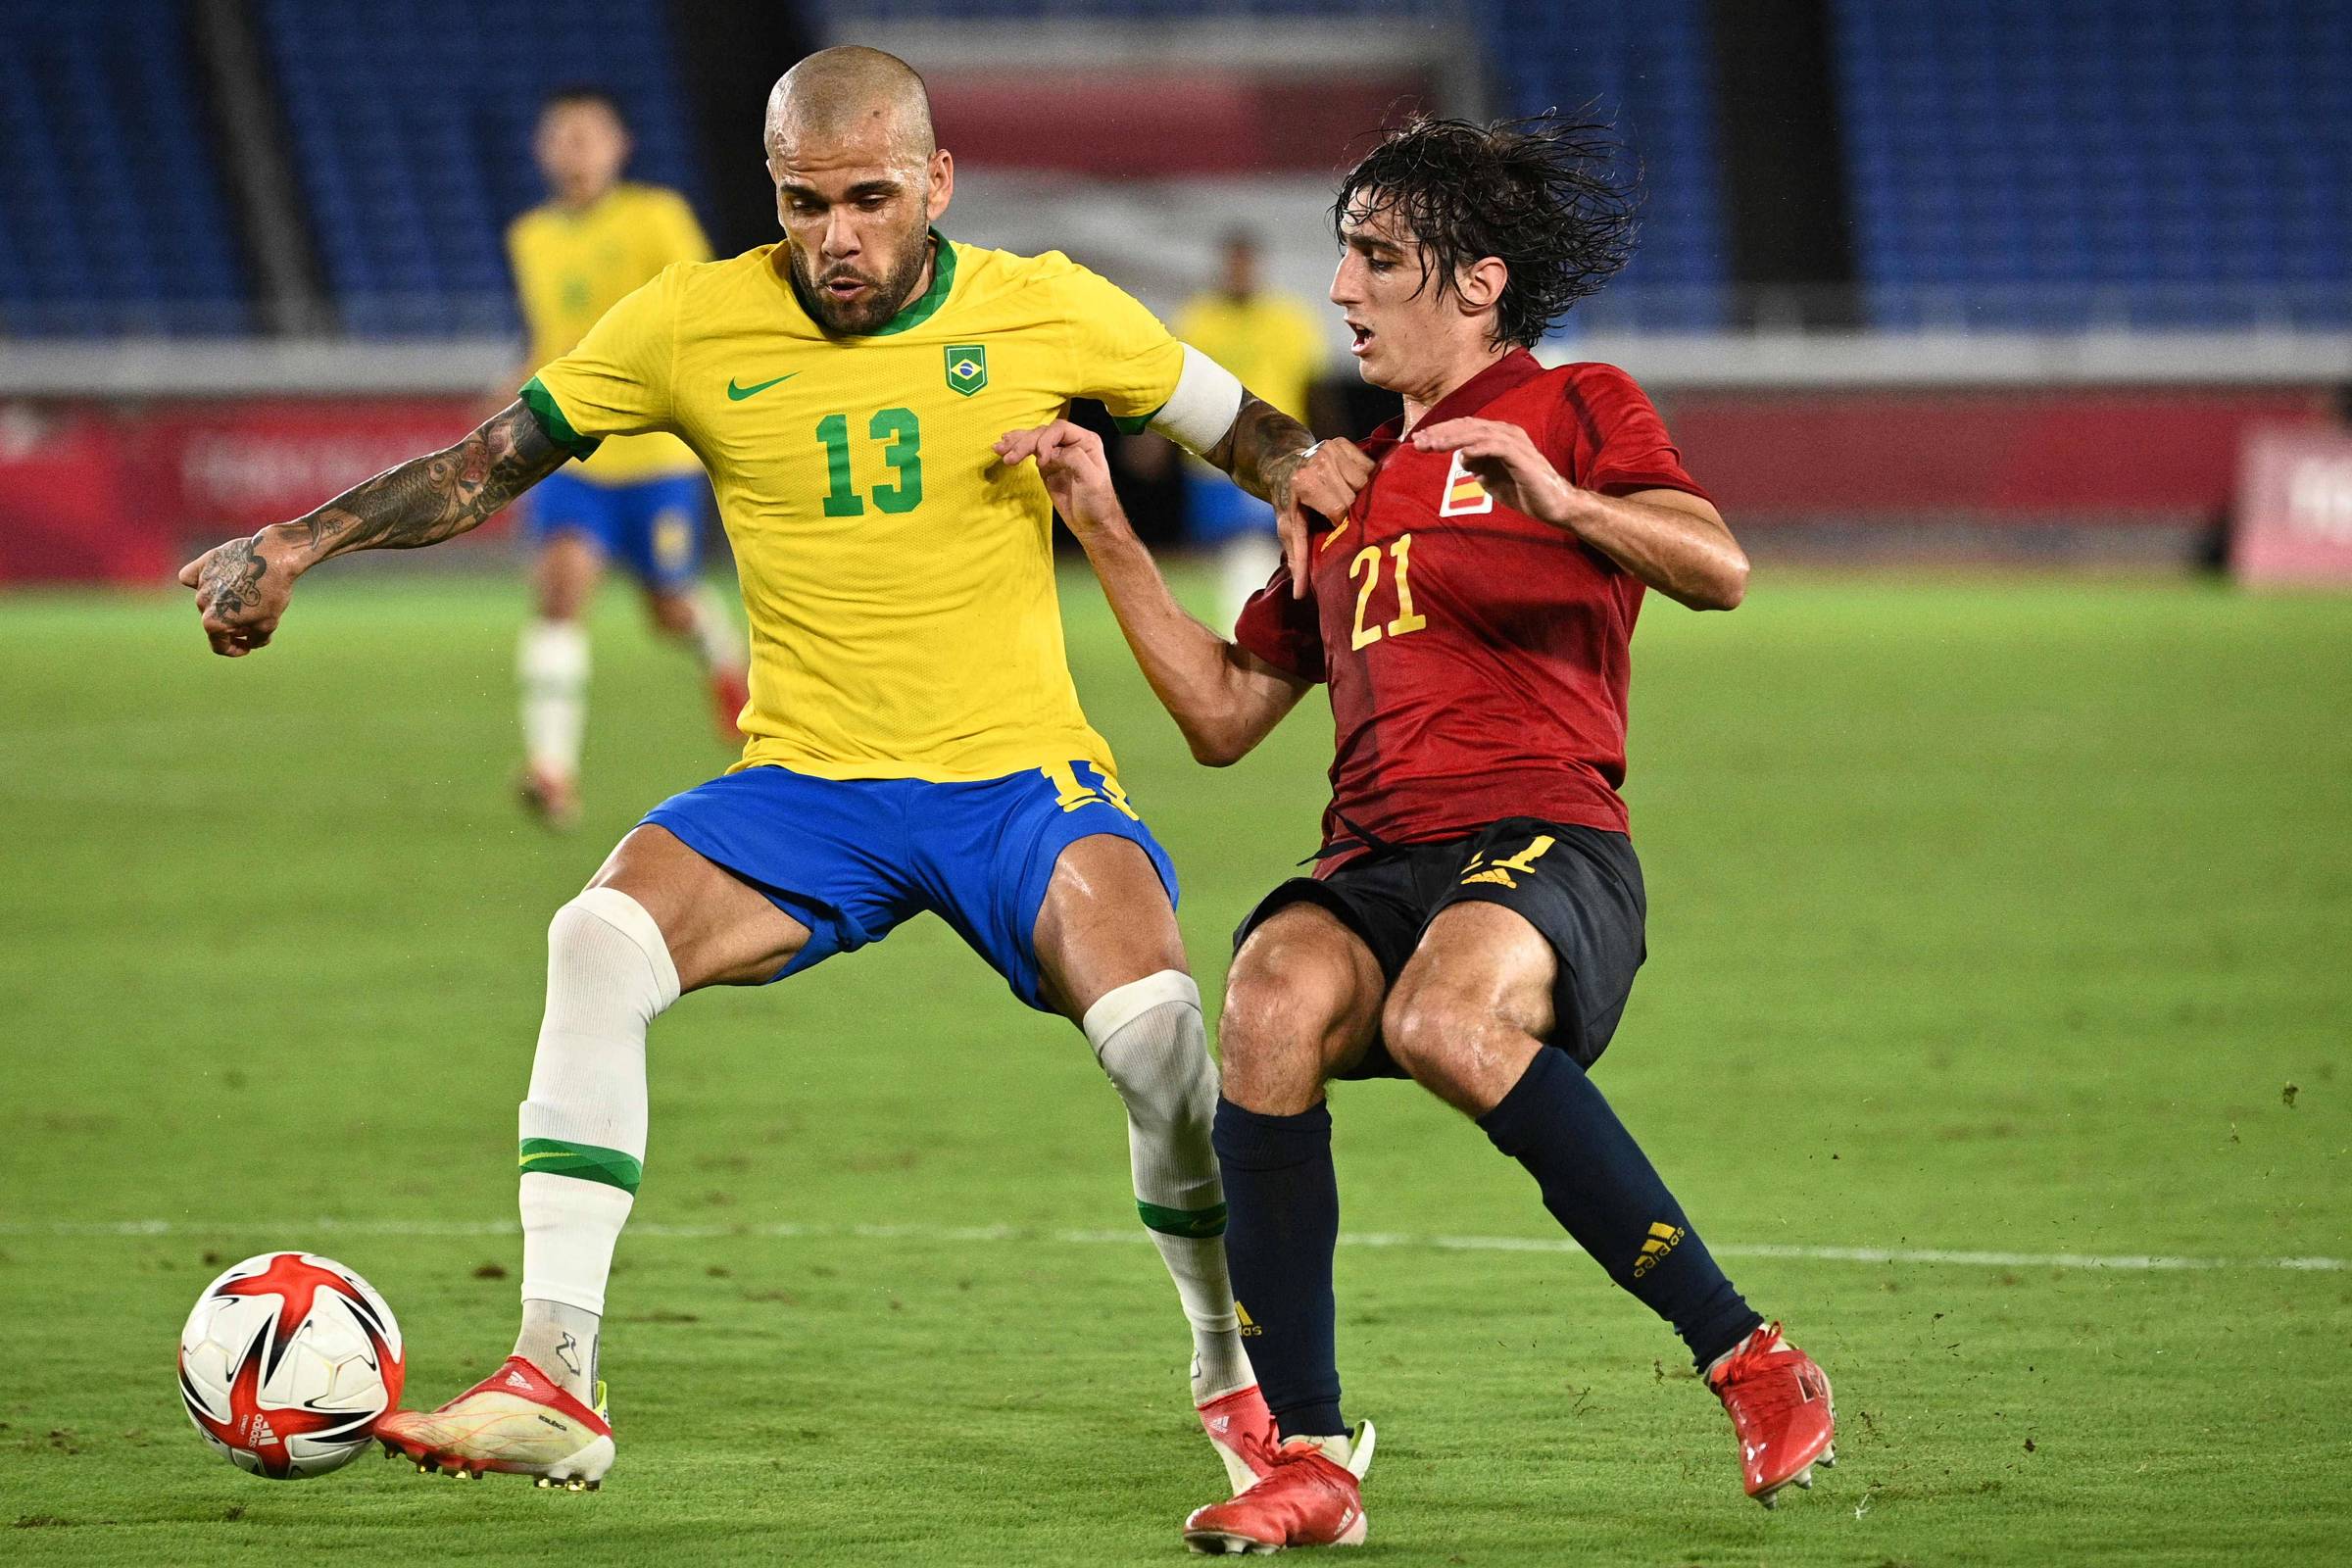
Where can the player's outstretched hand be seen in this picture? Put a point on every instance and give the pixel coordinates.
(242, 588)
(1077, 474)
(1325, 480)
(1503, 459)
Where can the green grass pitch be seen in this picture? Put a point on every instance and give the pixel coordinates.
(1988, 918)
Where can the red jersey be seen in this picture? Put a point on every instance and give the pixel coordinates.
(1476, 659)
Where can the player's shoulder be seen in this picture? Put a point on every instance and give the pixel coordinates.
(1593, 381)
(1587, 376)
(531, 223)
(983, 274)
(1591, 394)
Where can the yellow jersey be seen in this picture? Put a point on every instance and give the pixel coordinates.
(899, 579)
(572, 267)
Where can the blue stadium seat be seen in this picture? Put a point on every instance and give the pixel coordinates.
(1649, 66)
(112, 215)
(411, 139)
(2061, 164)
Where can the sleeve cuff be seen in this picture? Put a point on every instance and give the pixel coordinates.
(550, 414)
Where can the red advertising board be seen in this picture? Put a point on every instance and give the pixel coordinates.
(2106, 456)
(2293, 523)
(122, 494)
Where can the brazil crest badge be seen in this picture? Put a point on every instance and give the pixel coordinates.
(967, 368)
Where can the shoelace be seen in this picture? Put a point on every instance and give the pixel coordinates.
(1296, 1451)
(1768, 1398)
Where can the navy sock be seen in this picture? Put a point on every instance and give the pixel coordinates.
(1282, 1200)
(1605, 1192)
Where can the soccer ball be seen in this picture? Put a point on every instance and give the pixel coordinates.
(286, 1364)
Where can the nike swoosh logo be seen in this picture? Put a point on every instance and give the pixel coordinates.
(736, 394)
(546, 1154)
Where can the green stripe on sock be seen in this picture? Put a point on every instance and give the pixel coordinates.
(553, 1156)
(1198, 1223)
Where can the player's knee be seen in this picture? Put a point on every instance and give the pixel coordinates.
(1276, 1034)
(1431, 1032)
(603, 943)
(1147, 1036)
(672, 613)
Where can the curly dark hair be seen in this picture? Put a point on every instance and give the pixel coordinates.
(1553, 195)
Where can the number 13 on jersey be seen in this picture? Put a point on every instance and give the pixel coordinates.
(902, 435)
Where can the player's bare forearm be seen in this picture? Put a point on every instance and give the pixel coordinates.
(1278, 459)
(431, 497)
(1223, 699)
(242, 587)
(1672, 540)
(1262, 449)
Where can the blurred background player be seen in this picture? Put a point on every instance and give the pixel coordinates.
(641, 500)
(1270, 340)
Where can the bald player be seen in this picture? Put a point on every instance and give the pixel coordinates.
(914, 740)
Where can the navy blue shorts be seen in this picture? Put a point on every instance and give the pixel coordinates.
(653, 528)
(851, 858)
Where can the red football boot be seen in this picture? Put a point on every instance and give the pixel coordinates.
(1242, 1429)
(514, 1421)
(729, 692)
(1779, 1402)
(1305, 1500)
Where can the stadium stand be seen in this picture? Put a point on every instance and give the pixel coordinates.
(113, 221)
(1647, 66)
(1650, 65)
(411, 137)
(2058, 164)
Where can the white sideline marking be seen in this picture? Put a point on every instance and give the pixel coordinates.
(2134, 1262)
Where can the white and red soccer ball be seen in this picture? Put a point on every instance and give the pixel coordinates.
(286, 1364)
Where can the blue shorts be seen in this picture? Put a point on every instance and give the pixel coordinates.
(851, 858)
(654, 528)
(1216, 511)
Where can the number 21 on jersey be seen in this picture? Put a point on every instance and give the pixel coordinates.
(1366, 565)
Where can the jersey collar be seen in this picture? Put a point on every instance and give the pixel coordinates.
(1514, 369)
(943, 279)
(912, 314)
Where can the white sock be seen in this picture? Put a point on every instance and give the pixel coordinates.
(1149, 1035)
(550, 661)
(716, 638)
(609, 975)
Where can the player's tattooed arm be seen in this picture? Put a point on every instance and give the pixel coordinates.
(1278, 459)
(242, 587)
(1224, 698)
